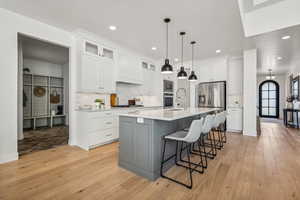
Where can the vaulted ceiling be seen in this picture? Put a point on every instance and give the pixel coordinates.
(214, 24)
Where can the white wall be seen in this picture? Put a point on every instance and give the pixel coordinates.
(281, 80)
(65, 75)
(249, 91)
(40, 67)
(11, 25)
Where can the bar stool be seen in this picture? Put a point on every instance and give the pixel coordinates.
(207, 127)
(216, 128)
(205, 134)
(188, 138)
(222, 126)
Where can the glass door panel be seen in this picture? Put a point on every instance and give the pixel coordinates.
(269, 101)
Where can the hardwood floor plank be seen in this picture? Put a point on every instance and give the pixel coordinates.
(252, 168)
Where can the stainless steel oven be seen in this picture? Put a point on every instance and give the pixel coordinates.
(168, 100)
(168, 86)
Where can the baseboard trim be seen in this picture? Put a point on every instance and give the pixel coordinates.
(9, 158)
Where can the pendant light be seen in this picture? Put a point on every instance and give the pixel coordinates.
(270, 76)
(193, 76)
(182, 74)
(167, 68)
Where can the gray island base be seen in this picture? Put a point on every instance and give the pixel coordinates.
(141, 136)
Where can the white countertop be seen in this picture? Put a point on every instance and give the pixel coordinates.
(169, 114)
(119, 108)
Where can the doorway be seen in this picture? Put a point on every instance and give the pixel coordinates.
(269, 99)
(43, 95)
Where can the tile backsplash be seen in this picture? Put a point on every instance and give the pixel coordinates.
(129, 91)
(89, 99)
(124, 93)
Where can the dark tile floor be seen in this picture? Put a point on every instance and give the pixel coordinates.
(42, 139)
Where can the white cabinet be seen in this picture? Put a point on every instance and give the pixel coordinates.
(129, 68)
(235, 119)
(91, 48)
(91, 76)
(107, 68)
(235, 77)
(96, 72)
(96, 128)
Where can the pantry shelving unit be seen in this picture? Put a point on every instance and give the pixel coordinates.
(39, 111)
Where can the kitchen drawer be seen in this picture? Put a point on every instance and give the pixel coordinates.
(100, 137)
(105, 114)
(96, 124)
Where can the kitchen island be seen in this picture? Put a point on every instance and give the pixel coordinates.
(141, 135)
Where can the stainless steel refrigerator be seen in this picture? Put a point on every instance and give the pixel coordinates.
(211, 95)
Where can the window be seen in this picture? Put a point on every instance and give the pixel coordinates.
(269, 99)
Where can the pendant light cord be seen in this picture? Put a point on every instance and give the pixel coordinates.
(182, 50)
(167, 40)
(192, 56)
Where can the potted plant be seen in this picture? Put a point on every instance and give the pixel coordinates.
(98, 103)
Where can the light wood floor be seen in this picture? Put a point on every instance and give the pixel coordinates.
(248, 168)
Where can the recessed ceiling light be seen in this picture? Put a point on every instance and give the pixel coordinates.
(113, 28)
(286, 37)
(218, 51)
(279, 58)
(176, 59)
(154, 48)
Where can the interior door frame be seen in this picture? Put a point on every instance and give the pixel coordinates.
(277, 97)
(69, 118)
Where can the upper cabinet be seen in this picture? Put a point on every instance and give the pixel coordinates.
(100, 67)
(235, 77)
(129, 68)
(96, 68)
(91, 48)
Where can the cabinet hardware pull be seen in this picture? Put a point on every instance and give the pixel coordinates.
(109, 135)
(108, 123)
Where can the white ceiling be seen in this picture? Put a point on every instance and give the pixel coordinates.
(214, 24)
(45, 51)
(270, 46)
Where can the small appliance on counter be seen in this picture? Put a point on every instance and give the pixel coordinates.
(131, 102)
